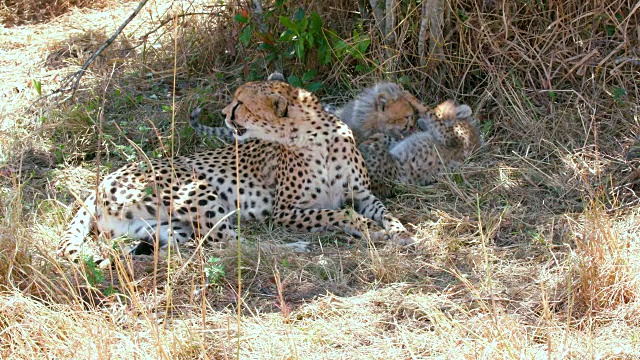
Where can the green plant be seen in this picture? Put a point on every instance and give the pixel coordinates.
(304, 33)
(37, 85)
(305, 81)
(356, 49)
(93, 272)
(304, 38)
(214, 270)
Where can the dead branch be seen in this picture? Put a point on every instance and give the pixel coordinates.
(257, 12)
(72, 81)
(378, 14)
(390, 21)
(362, 7)
(422, 35)
(433, 14)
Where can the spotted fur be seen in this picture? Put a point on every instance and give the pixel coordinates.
(298, 164)
(221, 132)
(385, 107)
(449, 135)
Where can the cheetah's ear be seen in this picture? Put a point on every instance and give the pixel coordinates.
(381, 102)
(463, 111)
(276, 76)
(279, 105)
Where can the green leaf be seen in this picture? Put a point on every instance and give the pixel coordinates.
(241, 19)
(310, 39)
(93, 272)
(286, 36)
(309, 75)
(619, 94)
(316, 22)
(38, 86)
(314, 86)
(302, 27)
(404, 79)
(298, 15)
(323, 55)
(294, 80)
(363, 45)
(299, 48)
(286, 22)
(362, 68)
(245, 36)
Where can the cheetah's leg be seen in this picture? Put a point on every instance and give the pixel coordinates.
(163, 234)
(73, 243)
(312, 220)
(371, 207)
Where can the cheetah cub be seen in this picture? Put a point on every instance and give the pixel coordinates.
(449, 136)
(383, 108)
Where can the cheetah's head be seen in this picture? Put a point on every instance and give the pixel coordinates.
(387, 108)
(272, 110)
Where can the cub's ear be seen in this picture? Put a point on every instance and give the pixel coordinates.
(381, 102)
(280, 105)
(276, 76)
(463, 111)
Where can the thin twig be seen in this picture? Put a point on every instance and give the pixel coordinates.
(422, 35)
(76, 76)
(166, 21)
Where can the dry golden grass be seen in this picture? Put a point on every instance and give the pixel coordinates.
(529, 251)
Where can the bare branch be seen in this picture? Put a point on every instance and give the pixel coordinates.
(390, 21)
(72, 81)
(378, 14)
(257, 5)
(433, 12)
(436, 27)
(362, 7)
(422, 35)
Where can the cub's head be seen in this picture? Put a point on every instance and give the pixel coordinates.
(452, 125)
(386, 108)
(272, 110)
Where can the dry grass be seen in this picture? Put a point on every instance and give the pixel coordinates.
(529, 251)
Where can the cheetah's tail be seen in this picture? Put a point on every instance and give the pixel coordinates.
(194, 118)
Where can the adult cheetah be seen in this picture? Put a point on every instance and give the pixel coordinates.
(449, 135)
(300, 166)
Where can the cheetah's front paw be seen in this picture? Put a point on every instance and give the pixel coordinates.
(299, 246)
(403, 238)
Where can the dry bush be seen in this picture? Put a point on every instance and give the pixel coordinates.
(18, 12)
